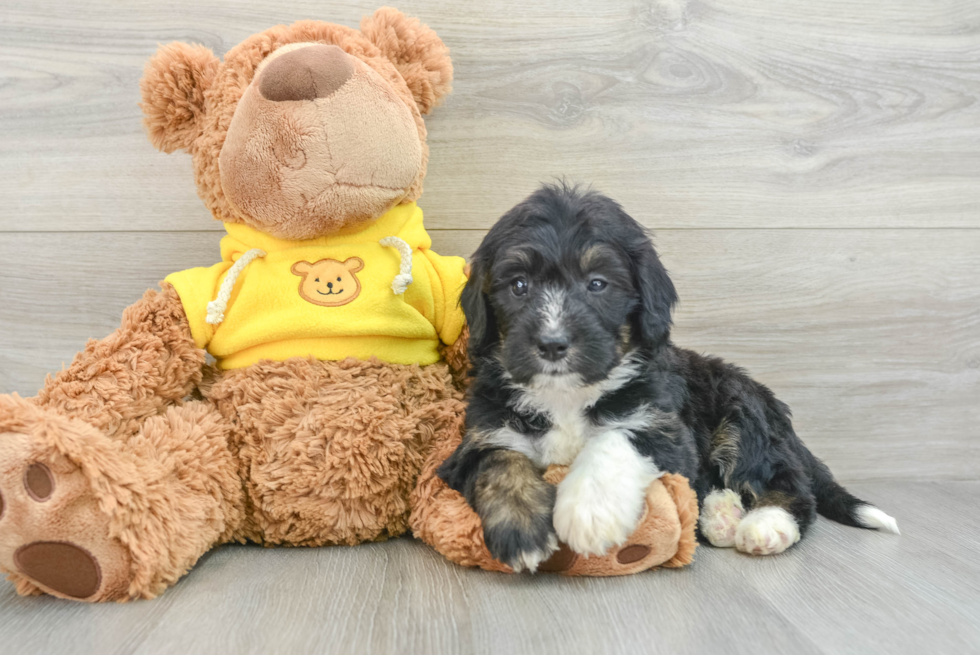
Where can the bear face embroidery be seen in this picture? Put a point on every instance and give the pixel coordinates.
(329, 282)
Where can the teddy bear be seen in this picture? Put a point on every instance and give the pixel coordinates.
(335, 331)
(304, 389)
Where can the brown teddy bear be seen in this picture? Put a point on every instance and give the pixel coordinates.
(339, 345)
(335, 329)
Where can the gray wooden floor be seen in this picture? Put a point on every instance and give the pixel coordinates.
(811, 170)
(842, 590)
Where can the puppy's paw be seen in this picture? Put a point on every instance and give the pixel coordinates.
(766, 531)
(521, 550)
(592, 518)
(721, 513)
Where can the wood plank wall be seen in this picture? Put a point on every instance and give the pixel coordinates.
(811, 171)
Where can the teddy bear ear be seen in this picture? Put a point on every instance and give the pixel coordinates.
(354, 264)
(301, 268)
(172, 90)
(416, 51)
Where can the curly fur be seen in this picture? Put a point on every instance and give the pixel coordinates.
(157, 456)
(148, 363)
(570, 268)
(442, 518)
(687, 512)
(172, 88)
(420, 56)
(169, 492)
(357, 433)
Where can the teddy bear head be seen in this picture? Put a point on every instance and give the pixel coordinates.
(302, 130)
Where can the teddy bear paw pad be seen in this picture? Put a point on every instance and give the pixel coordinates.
(63, 567)
(562, 560)
(52, 530)
(632, 554)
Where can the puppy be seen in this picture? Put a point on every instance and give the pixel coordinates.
(569, 310)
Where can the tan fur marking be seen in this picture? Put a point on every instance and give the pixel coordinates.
(725, 443)
(774, 499)
(511, 491)
(591, 254)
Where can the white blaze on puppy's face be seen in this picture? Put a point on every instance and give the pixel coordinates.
(552, 311)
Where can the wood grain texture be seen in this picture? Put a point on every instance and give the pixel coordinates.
(871, 336)
(710, 113)
(811, 169)
(841, 590)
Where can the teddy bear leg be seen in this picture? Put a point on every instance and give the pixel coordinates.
(147, 364)
(87, 517)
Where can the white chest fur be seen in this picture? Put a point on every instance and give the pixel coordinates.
(566, 401)
(565, 407)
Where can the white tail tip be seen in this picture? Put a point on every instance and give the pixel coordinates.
(872, 517)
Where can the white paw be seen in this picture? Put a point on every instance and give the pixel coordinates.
(766, 531)
(721, 513)
(593, 518)
(530, 560)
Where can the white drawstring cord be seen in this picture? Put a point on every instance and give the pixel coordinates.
(216, 308)
(404, 277)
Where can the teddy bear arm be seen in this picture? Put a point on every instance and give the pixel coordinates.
(455, 355)
(149, 362)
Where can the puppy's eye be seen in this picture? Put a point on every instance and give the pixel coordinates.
(596, 284)
(317, 280)
(519, 286)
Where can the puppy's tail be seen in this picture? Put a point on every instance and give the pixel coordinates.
(837, 504)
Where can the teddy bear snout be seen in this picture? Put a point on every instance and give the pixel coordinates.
(311, 72)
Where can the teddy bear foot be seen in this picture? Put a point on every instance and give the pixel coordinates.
(620, 561)
(663, 537)
(54, 537)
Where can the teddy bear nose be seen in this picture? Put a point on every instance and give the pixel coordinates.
(308, 73)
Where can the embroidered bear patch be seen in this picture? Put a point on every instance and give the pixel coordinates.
(329, 282)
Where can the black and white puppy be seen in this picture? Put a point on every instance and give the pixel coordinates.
(569, 310)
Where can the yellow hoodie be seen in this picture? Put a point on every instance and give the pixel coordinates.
(333, 297)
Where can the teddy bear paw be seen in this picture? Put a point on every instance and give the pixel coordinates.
(52, 530)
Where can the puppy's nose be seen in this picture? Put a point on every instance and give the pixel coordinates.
(553, 348)
(308, 73)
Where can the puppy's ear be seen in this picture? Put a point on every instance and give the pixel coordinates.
(657, 295)
(172, 91)
(476, 305)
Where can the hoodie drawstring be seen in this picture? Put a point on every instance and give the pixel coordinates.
(216, 308)
(404, 277)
